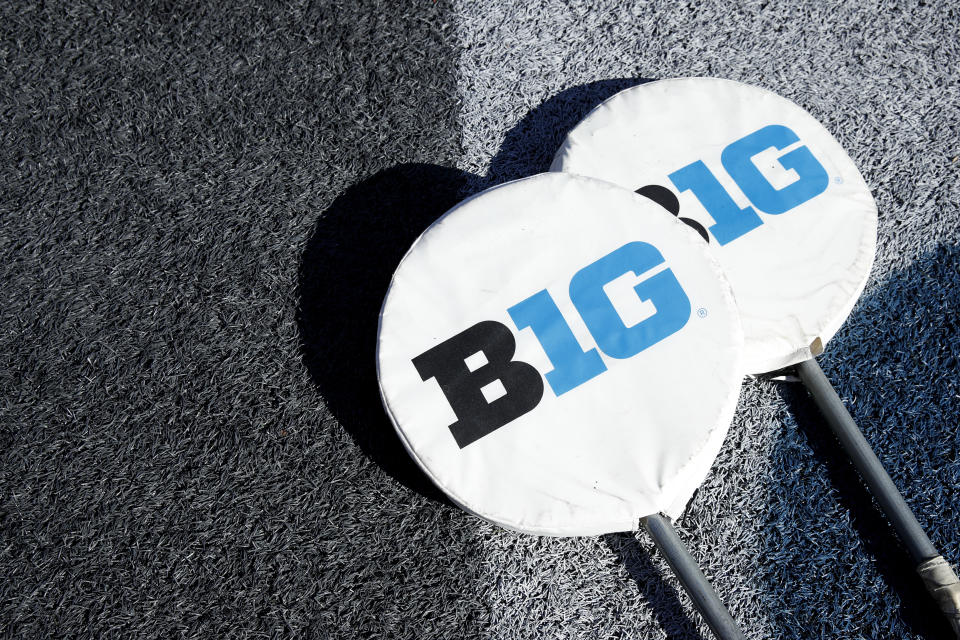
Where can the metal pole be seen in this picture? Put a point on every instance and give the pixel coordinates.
(935, 571)
(704, 597)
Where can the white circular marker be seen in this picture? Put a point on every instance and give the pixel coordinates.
(561, 356)
(786, 212)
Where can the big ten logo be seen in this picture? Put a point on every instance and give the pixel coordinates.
(486, 388)
(772, 192)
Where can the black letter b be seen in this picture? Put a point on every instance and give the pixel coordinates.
(462, 387)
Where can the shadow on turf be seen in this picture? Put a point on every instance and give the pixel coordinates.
(344, 275)
(360, 240)
(928, 288)
(663, 599)
(528, 148)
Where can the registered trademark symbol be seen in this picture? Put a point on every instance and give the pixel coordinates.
(702, 312)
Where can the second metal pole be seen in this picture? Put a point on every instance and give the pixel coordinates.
(937, 575)
(866, 461)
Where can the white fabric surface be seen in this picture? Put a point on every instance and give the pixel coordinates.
(797, 275)
(634, 440)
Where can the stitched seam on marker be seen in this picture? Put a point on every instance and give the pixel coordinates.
(727, 410)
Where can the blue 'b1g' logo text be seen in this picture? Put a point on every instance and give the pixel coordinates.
(730, 220)
(448, 362)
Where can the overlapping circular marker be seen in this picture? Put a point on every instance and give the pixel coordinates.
(785, 211)
(561, 356)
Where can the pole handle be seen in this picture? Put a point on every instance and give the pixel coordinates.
(937, 575)
(942, 583)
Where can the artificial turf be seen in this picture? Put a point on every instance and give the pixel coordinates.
(200, 209)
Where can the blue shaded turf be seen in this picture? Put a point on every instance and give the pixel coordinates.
(895, 364)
